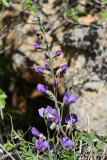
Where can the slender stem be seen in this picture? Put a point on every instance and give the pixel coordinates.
(9, 154)
(48, 139)
(53, 78)
(52, 71)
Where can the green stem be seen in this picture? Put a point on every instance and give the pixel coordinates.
(53, 78)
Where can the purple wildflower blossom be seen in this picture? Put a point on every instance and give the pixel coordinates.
(58, 53)
(55, 82)
(48, 112)
(40, 144)
(72, 98)
(67, 143)
(64, 67)
(57, 119)
(51, 146)
(46, 56)
(45, 40)
(34, 28)
(35, 132)
(50, 27)
(41, 112)
(65, 98)
(71, 118)
(69, 99)
(47, 67)
(37, 46)
(40, 69)
(41, 88)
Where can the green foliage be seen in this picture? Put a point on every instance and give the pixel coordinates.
(105, 1)
(5, 3)
(104, 14)
(2, 99)
(75, 13)
(28, 4)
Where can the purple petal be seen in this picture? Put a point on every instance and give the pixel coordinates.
(51, 146)
(57, 119)
(41, 112)
(55, 82)
(65, 98)
(64, 67)
(40, 69)
(34, 28)
(35, 132)
(45, 144)
(71, 119)
(52, 111)
(47, 67)
(41, 88)
(46, 56)
(39, 144)
(72, 98)
(58, 53)
(67, 142)
(37, 46)
(50, 27)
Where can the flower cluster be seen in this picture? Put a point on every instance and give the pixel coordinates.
(53, 116)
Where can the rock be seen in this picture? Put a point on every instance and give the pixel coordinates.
(94, 86)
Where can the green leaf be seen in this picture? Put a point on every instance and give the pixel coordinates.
(33, 9)
(2, 103)
(5, 3)
(104, 14)
(2, 95)
(45, 158)
(99, 145)
(24, 4)
(76, 9)
(75, 18)
(69, 11)
(105, 1)
(34, 139)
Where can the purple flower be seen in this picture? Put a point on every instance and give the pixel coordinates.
(41, 28)
(41, 88)
(55, 122)
(50, 27)
(46, 56)
(66, 142)
(45, 40)
(34, 28)
(48, 112)
(64, 67)
(65, 98)
(57, 119)
(52, 111)
(40, 144)
(37, 46)
(47, 67)
(51, 146)
(69, 99)
(41, 112)
(58, 53)
(71, 118)
(40, 69)
(55, 82)
(35, 132)
(72, 98)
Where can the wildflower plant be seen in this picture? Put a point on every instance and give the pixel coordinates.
(52, 116)
(68, 142)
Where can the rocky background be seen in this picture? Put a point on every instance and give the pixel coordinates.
(84, 46)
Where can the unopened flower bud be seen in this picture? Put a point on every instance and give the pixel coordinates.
(47, 67)
(48, 27)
